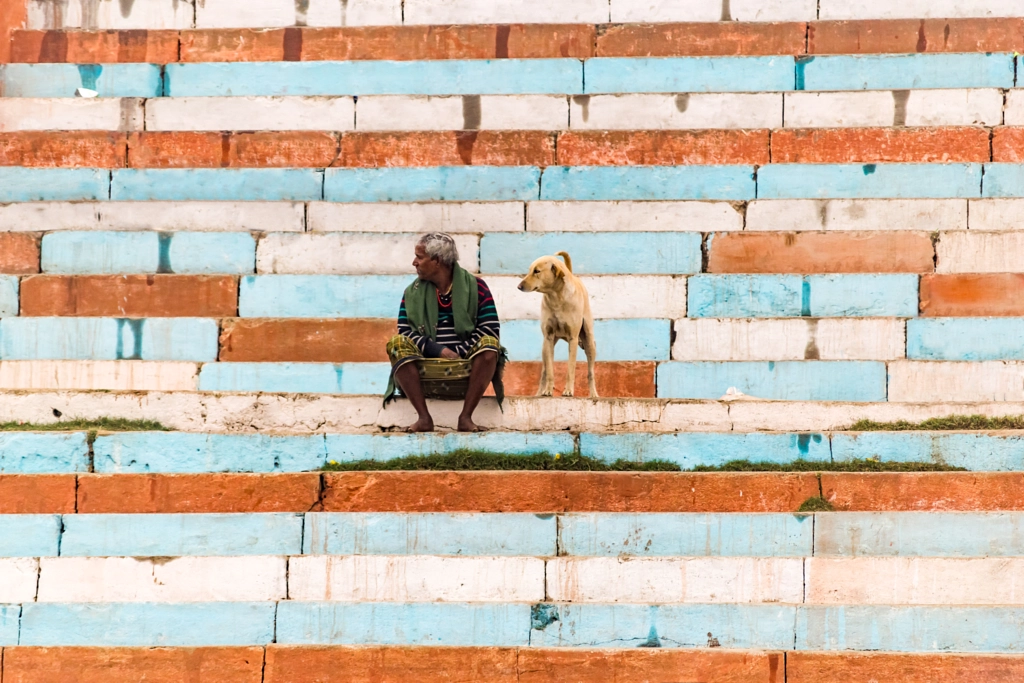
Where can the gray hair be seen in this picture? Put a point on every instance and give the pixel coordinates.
(440, 247)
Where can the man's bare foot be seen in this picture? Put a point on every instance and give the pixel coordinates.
(467, 425)
(424, 424)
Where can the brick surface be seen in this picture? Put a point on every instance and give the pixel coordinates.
(153, 665)
(181, 493)
(924, 491)
(863, 667)
(19, 253)
(1008, 144)
(22, 494)
(548, 492)
(306, 340)
(916, 35)
(187, 149)
(65, 149)
(618, 379)
(821, 252)
(700, 39)
(95, 47)
(447, 148)
(137, 296)
(663, 147)
(972, 295)
(390, 664)
(517, 41)
(326, 664)
(233, 45)
(12, 17)
(870, 145)
(648, 666)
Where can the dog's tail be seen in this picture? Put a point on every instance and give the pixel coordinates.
(567, 259)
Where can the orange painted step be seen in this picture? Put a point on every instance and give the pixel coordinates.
(821, 252)
(95, 47)
(550, 492)
(136, 296)
(115, 664)
(537, 492)
(1008, 144)
(290, 664)
(23, 494)
(924, 491)
(701, 39)
(448, 148)
(880, 145)
(188, 149)
(19, 253)
(63, 149)
(618, 379)
(905, 36)
(649, 666)
(514, 41)
(863, 667)
(400, 43)
(345, 340)
(663, 147)
(972, 295)
(13, 16)
(153, 493)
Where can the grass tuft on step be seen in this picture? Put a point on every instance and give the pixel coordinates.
(482, 460)
(466, 460)
(822, 466)
(948, 423)
(102, 424)
(816, 504)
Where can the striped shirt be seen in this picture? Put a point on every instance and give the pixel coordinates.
(486, 325)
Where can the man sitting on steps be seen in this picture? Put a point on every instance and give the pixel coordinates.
(447, 345)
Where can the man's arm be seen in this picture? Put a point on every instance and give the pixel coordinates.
(487, 323)
(428, 347)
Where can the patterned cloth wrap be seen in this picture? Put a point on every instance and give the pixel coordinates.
(443, 378)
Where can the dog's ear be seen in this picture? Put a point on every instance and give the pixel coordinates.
(556, 271)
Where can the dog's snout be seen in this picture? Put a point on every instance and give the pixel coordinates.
(522, 286)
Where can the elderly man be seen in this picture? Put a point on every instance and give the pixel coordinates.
(448, 336)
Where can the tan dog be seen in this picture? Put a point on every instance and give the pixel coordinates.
(564, 314)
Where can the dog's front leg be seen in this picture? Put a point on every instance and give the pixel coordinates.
(570, 375)
(547, 372)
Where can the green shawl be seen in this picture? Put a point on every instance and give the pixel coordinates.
(421, 304)
(422, 312)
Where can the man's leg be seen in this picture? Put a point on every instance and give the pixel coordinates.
(408, 377)
(480, 376)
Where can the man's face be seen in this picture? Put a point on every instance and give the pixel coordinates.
(426, 267)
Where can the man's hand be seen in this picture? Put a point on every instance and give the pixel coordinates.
(449, 354)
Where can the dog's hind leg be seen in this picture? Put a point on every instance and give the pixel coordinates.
(590, 348)
(570, 375)
(547, 371)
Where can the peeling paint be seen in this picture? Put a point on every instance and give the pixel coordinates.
(801, 65)
(126, 7)
(471, 112)
(899, 99)
(90, 75)
(301, 10)
(344, 11)
(584, 102)
(726, 11)
(164, 262)
(682, 102)
(542, 615)
(90, 14)
(812, 352)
